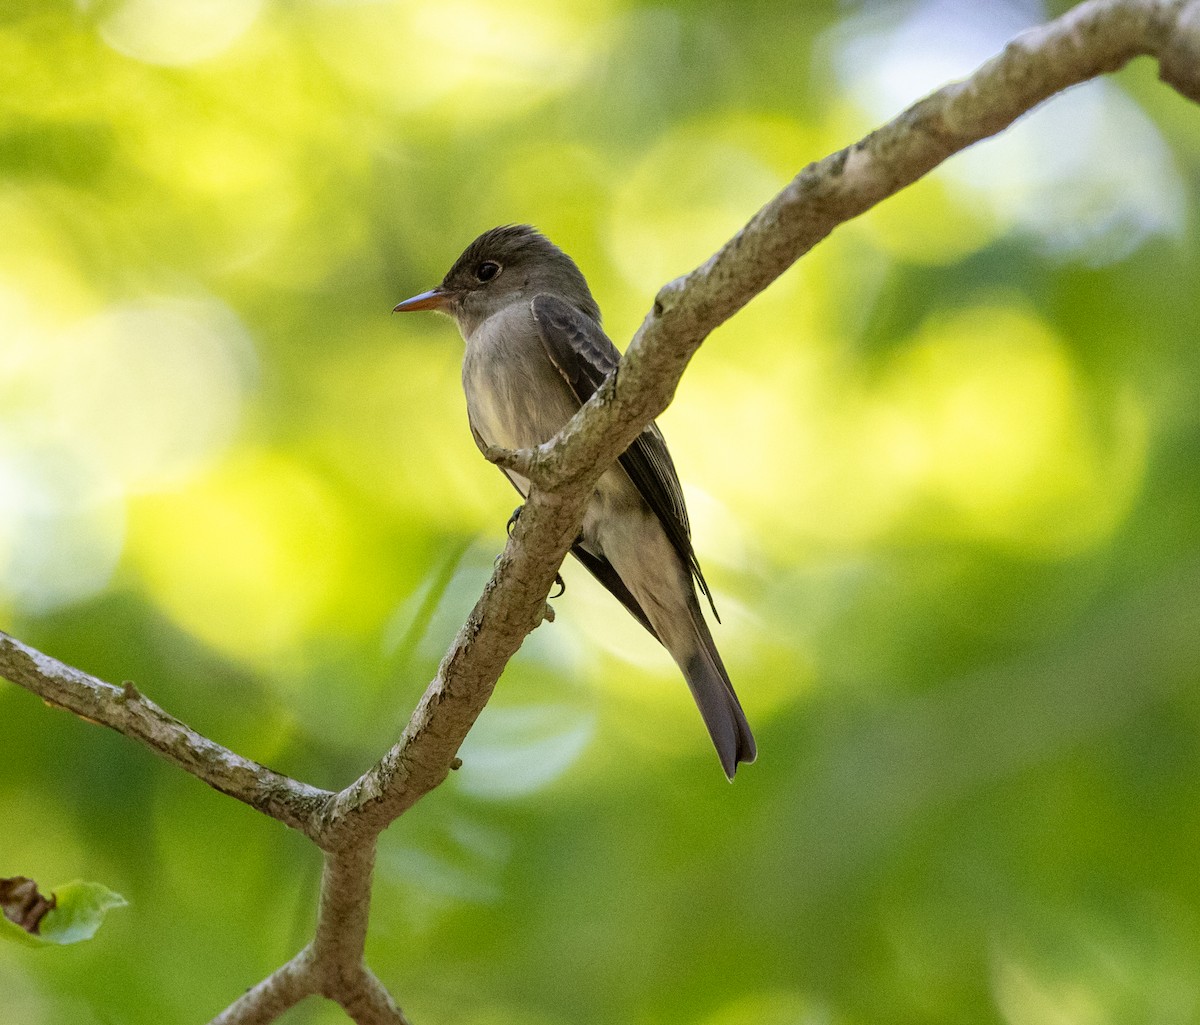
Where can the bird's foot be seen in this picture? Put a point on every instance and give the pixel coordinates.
(509, 527)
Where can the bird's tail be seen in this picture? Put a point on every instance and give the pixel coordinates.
(719, 706)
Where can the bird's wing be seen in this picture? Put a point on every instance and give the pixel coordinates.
(597, 565)
(585, 356)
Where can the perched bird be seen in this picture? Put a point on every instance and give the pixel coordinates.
(535, 352)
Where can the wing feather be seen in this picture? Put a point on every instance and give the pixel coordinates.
(585, 356)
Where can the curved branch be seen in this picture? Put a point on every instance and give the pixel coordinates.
(367, 1001)
(1091, 39)
(128, 711)
(278, 992)
(1094, 38)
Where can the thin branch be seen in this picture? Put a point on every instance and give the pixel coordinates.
(278, 992)
(1178, 28)
(332, 965)
(127, 711)
(342, 913)
(521, 460)
(368, 1002)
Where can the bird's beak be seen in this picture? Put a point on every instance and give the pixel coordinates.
(434, 299)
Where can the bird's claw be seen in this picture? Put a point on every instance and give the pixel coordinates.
(509, 527)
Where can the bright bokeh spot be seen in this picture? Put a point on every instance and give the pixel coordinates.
(983, 416)
(249, 557)
(890, 55)
(512, 752)
(405, 421)
(1113, 187)
(239, 186)
(689, 194)
(930, 222)
(476, 59)
(978, 427)
(41, 284)
(124, 401)
(149, 391)
(61, 529)
(732, 397)
(787, 437)
(175, 32)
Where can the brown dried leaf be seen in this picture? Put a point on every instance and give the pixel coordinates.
(22, 904)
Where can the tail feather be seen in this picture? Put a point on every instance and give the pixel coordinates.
(718, 703)
(647, 575)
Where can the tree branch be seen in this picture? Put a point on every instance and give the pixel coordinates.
(522, 461)
(1093, 38)
(278, 992)
(127, 711)
(367, 1001)
(342, 914)
(332, 965)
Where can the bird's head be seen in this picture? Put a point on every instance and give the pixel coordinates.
(502, 266)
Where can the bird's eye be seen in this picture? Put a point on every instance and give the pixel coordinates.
(487, 270)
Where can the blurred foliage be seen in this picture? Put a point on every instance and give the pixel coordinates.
(943, 476)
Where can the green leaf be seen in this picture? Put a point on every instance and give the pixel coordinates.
(78, 913)
(80, 909)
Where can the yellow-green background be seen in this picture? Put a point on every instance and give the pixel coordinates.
(943, 475)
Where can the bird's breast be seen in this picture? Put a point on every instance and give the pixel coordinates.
(516, 398)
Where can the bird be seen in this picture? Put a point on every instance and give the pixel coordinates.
(535, 352)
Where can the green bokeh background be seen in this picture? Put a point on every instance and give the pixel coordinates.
(943, 476)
